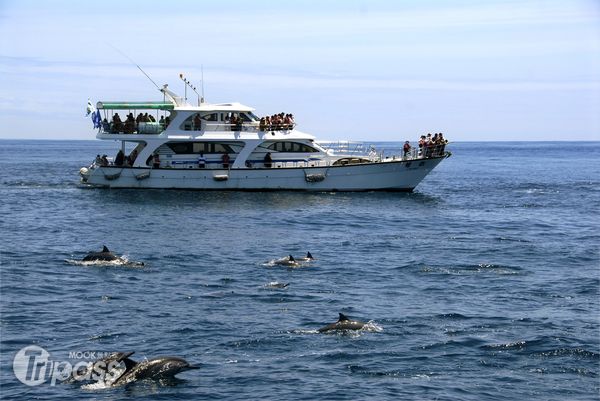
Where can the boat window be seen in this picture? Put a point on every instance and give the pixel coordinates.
(181, 147)
(199, 147)
(245, 118)
(253, 116)
(191, 124)
(291, 147)
(211, 117)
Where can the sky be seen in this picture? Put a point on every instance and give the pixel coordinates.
(495, 70)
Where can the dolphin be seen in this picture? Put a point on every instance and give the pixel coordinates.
(287, 261)
(105, 255)
(105, 369)
(164, 367)
(276, 284)
(102, 367)
(343, 323)
(308, 258)
(290, 261)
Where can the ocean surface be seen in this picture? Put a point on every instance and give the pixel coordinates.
(483, 284)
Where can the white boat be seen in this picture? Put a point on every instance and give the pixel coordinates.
(227, 147)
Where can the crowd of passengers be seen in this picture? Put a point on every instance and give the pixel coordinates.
(233, 121)
(276, 122)
(131, 124)
(120, 160)
(429, 146)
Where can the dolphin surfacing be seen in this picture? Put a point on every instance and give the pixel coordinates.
(308, 258)
(105, 255)
(343, 324)
(119, 369)
(291, 261)
(165, 367)
(103, 368)
(288, 261)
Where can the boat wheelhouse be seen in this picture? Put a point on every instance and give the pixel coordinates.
(225, 146)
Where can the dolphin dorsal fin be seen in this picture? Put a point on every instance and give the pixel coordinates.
(129, 364)
(105, 249)
(343, 318)
(309, 256)
(291, 258)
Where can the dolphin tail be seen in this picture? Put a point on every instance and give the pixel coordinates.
(343, 318)
(105, 249)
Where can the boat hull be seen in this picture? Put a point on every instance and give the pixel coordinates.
(385, 176)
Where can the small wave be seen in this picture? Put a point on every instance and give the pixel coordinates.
(468, 342)
(183, 330)
(121, 262)
(371, 326)
(516, 345)
(453, 316)
(483, 268)
(300, 331)
(357, 369)
(39, 185)
(580, 353)
(103, 336)
(509, 239)
(99, 385)
(115, 373)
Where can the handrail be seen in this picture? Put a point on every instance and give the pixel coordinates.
(361, 149)
(156, 128)
(251, 127)
(142, 128)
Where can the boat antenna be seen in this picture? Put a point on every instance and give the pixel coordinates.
(136, 64)
(192, 87)
(202, 80)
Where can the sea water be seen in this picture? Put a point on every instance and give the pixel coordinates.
(482, 284)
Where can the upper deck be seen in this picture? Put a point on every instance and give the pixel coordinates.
(170, 119)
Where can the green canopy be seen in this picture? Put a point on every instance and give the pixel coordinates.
(135, 105)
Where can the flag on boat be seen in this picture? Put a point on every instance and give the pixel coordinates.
(96, 119)
(90, 108)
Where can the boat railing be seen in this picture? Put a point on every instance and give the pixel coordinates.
(156, 128)
(347, 148)
(142, 128)
(361, 149)
(245, 127)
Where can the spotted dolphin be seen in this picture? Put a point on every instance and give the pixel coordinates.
(343, 323)
(164, 367)
(118, 369)
(102, 369)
